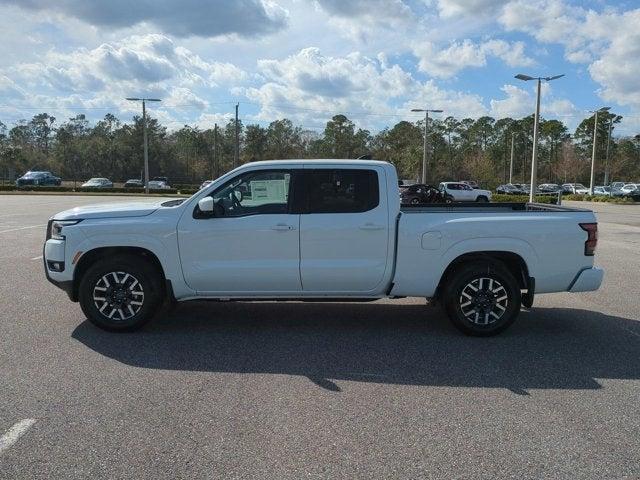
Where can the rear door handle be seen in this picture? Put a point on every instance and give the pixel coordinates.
(282, 227)
(371, 226)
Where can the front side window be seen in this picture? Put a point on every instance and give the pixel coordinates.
(258, 192)
(340, 191)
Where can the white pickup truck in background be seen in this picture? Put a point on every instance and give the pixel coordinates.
(322, 229)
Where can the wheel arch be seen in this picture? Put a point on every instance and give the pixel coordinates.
(89, 258)
(513, 262)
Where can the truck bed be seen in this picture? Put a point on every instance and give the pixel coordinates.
(459, 207)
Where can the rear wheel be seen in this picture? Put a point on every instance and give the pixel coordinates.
(120, 293)
(482, 298)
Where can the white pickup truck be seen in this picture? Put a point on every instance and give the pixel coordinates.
(318, 230)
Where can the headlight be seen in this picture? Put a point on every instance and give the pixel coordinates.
(55, 230)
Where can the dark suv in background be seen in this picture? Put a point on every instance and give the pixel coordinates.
(40, 178)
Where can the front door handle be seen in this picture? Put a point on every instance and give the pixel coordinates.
(282, 227)
(371, 226)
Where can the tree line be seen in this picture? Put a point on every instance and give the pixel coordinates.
(475, 149)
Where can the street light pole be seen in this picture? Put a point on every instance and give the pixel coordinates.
(513, 136)
(536, 120)
(534, 153)
(144, 136)
(426, 131)
(593, 151)
(606, 161)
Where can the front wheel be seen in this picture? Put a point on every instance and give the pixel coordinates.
(120, 293)
(482, 298)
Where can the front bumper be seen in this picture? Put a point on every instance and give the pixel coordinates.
(587, 280)
(52, 249)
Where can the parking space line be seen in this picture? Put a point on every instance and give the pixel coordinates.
(15, 432)
(23, 228)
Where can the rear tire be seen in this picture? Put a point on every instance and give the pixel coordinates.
(482, 298)
(120, 293)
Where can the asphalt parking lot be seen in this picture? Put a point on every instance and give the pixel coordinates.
(273, 390)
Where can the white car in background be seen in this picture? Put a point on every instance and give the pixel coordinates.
(158, 185)
(602, 190)
(630, 188)
(462, 192)
(575, 188)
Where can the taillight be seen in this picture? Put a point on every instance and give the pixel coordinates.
(592, 238)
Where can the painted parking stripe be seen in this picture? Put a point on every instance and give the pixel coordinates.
(15, 432)
(23, 228)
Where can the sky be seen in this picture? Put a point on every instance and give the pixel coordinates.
(307, 60)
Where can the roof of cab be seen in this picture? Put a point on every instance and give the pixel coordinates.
(336, 161)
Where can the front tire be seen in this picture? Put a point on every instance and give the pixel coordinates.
(482, 299)
(121, 293)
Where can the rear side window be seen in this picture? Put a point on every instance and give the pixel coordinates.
(340, 191)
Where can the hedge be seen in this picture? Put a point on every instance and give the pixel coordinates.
(31, 188)
(600, 198)
(501, 198)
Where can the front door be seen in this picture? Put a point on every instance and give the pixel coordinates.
(251, 246)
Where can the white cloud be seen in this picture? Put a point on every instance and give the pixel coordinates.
(454, 8)
(454, 103)
(458, 56)
(517, 104)
(181, 18)
(309, 82)
(139, 62)
(608, 41)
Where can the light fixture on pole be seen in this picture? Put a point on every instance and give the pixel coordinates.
(426, 129)
(536, 120)
(144, 136)
(593, 151)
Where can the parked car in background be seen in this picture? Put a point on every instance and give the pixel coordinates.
(162, 179)
(602, 190)
(134, 183)
(205, 184)
(574, 188)
(549, 188)
(40, 178)
(98, 183)
(420, 193)
(158, 185)
(631, 190)
(508, 189)
(461, 192)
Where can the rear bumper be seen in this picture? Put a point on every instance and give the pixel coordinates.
(587, 280)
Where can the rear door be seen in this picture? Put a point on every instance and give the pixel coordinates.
(344, 229)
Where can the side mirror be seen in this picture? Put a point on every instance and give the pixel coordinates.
(206, 205)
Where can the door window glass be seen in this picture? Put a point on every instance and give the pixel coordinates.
(258, 192)
(341, 191)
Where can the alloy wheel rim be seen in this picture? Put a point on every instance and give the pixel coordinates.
(118, 296)
(483, 301)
